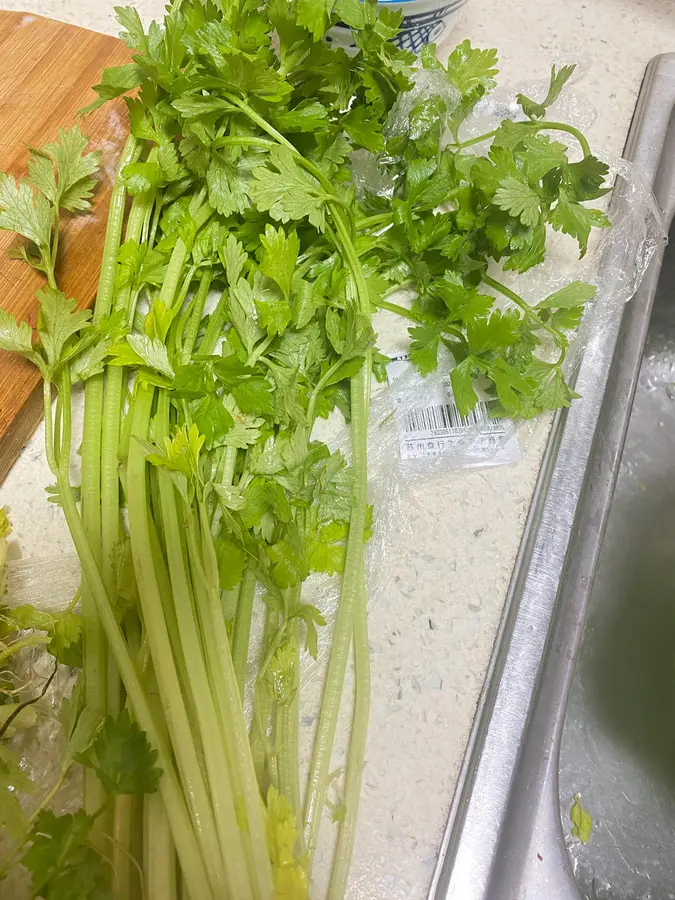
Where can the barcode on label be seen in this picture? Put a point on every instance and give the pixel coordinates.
(446, 417)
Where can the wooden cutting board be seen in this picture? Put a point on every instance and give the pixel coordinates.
(47, 70)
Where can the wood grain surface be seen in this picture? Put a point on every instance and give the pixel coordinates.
(47, 70)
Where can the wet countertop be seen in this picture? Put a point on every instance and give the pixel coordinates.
(452, 544)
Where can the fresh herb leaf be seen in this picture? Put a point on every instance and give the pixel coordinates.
(228, 185)
(244, 315)
(280, 255)
(66, 642)
(13, 781)
(133, 34)
(424, 347)
(559, 78)
(234, 258)
(308, 115)
(122, 758)
(461, 380)
(212, 419)
(64, 172)
(364, 128)
(472, 72)
(115, 82)
(141, 177)
(254, 396)
(287, 191)
(576, 293)
(542, 155)
(150, 352)
(58, 320)
(576, 220)
(518, 199)
(314, 15)
(500, 329)
(470, 68)
(247, 428)
(232, 562)
(585, 180)
(16, 337)
(25, 212)
(59, 857)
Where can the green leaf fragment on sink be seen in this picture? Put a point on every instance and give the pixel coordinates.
(582, 822)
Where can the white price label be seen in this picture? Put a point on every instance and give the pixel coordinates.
(437, 428)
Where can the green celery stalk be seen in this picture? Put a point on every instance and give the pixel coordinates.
(94, 643)
(115, 385)
(262, 702)
(288, 735)
(215, 325)
(226, 693)
(354, 576)
(192, 860)
(242, 629)
(352, 585)
(190, 335)
(160, 646)
(357, 752)
(197, 681)
(159, 852)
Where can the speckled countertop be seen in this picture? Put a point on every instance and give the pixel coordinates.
(447, 571)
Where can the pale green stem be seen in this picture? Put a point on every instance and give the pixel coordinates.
(226, 694)
(122, 830)
(288, 736)
(353, 577)
(357, 753)
(536, 126)
(31, 640)
(260, 350)
(224, 475)
(193, 863)
(215, 326)
(262, 702)
(192, 328)
(197, 682)
(152, 607)
(352, 585)
(94, 642)
(242, 629)
(115, 382)
(159, 852)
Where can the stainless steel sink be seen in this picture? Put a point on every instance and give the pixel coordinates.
(618, 749)
(555, 720)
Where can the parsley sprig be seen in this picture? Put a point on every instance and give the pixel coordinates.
(61, 178)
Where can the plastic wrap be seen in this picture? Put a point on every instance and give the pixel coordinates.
(38, 742)
(48, 584)
(429, 84)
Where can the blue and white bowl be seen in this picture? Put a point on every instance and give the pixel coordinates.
(424, 21)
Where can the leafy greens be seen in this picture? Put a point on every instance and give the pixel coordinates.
(199, 417)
